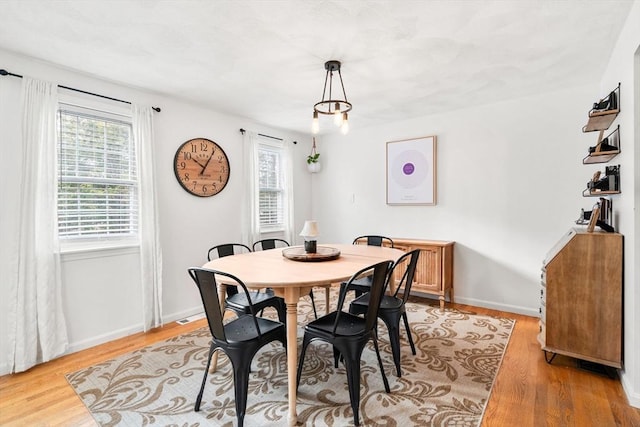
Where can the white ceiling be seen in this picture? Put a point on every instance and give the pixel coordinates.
(264, 59)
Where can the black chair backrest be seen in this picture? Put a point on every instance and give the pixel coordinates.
(227, 249)
(206, 281)
(269, 244)
(373, 240)
(409, 261)
(380, 273)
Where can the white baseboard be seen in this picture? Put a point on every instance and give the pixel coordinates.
(124, 332)
(633, 396)
(121, 333)
(114, 335)
(526, 311)
(104, 338)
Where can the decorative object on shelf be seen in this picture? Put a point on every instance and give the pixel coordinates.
(609, 184)
(330, 105)
(411, 171)
(313, 161)
(604, 215)
(594, 218)
(201, 167)
(309, 233)
(606, 104)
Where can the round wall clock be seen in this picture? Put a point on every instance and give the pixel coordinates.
(201, 167)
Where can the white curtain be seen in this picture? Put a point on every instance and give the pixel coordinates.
(250, 214)
(290, 232)
(37, 329)
(149, 228)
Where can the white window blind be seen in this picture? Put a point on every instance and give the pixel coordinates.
(270, 181)
(97, 193)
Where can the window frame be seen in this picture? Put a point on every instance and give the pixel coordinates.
(78, 244)
(273, 146)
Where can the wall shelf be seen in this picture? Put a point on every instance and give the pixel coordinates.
(604, 112)
(602, 152)
(597, 193)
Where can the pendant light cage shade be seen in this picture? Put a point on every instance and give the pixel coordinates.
(331, 103)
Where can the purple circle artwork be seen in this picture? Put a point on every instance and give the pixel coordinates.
(408, 168)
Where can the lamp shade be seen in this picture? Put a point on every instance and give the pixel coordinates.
(310, 229)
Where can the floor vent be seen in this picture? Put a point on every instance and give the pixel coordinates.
(190, 319)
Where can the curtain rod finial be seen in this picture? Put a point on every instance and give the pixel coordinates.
(242, 131)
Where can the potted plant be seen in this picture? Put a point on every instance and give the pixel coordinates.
(313, 159)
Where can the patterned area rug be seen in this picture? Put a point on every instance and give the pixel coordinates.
(447, 383)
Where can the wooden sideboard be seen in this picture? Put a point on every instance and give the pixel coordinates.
(434, 272)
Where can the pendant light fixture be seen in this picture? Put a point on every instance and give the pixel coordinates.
(330, 105)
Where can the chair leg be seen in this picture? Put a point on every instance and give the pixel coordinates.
(353, 381)
(305, 343)
(336, 357)
(204, 379)
(406, 325)
(241, 384)
(394, 339)
(313, 303)
(384, 376)
(282, 312)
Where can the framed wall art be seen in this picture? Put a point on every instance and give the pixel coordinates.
(411, 171)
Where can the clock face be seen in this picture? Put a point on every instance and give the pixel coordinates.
(201, 167)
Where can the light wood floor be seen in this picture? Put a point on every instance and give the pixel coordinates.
(527, 392)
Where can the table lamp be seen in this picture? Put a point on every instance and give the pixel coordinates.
(309, 233)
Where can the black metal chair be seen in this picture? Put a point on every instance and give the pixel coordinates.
(363, 285)
(373, 240)
(392, 308)
(238, 302)
(240, 339)
(349, 334)
(266, 244)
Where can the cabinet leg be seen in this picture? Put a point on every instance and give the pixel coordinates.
(441, 298)
(546, 353)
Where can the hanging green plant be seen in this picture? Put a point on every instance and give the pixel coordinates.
(313, 158)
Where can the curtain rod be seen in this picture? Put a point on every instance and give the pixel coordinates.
(6, 73)
(242, 131)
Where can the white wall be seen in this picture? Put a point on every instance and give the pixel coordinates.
(510, 180)
(101, 290)
(624, 68)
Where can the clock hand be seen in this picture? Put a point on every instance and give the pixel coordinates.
(199, 164)
(206, 164)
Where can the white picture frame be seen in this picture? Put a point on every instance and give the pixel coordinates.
(412, 171)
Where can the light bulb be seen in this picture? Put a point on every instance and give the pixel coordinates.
(344, 128)
(337, 115)
(315, 124)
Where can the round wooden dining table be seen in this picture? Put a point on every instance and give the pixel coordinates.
(291, 279)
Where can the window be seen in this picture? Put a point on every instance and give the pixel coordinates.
(97, 188)
(271, 188)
